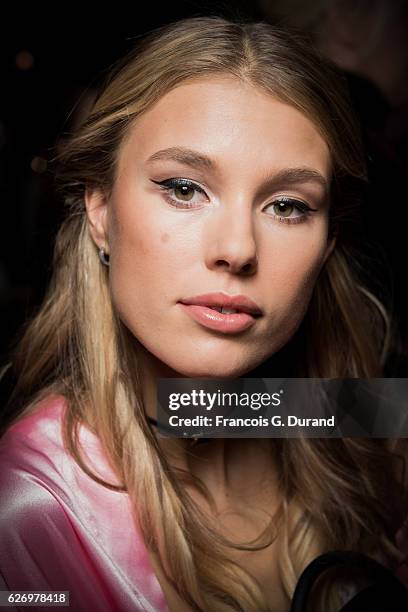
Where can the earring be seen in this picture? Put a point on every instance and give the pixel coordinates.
(104, 257)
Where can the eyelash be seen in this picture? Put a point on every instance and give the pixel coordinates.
(172, 183)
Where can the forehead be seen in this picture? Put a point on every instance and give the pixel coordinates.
(229, 120)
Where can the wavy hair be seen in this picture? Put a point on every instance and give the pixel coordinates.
(76, 345)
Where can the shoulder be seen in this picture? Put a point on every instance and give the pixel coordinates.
(42, 418)
(33, 453)
(41, 499)
(35, 435)
(31, 460)
(26, 503)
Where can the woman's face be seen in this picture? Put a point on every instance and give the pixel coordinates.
(220, 188)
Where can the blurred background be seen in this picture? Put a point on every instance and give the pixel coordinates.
(51, 61)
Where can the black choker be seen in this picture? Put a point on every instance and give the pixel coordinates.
(195, 439)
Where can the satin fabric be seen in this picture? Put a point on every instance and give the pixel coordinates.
(61, 530)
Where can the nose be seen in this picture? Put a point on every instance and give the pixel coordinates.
(231, 243)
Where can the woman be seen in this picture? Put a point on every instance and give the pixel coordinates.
(219, 159)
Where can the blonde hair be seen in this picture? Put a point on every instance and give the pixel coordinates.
(77, 346)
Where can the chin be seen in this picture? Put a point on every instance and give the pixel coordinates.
(214, 370)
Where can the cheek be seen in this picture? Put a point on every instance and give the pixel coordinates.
(294, 274)
(139, 243)
(150, 237)
(147, 257)
(302, 271)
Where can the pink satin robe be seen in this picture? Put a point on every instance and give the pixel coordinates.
(61, 530)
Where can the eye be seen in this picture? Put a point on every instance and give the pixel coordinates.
(183, 191)
(284, 209)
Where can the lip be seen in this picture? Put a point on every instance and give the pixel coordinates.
(219, 299)
(200, 309)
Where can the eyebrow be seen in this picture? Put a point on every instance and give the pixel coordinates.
(184, 156)
(288, 176)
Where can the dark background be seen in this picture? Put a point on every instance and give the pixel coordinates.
(49, 58)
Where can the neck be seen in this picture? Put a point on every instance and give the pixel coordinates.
(225, 465)
(209, 460)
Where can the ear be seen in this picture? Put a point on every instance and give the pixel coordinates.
(329, 248)
(96, 210)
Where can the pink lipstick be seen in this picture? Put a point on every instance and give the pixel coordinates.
(222, 312)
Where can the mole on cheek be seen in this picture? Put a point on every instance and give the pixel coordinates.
(164, 237)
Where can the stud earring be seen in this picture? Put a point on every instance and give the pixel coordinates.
(104, 257)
